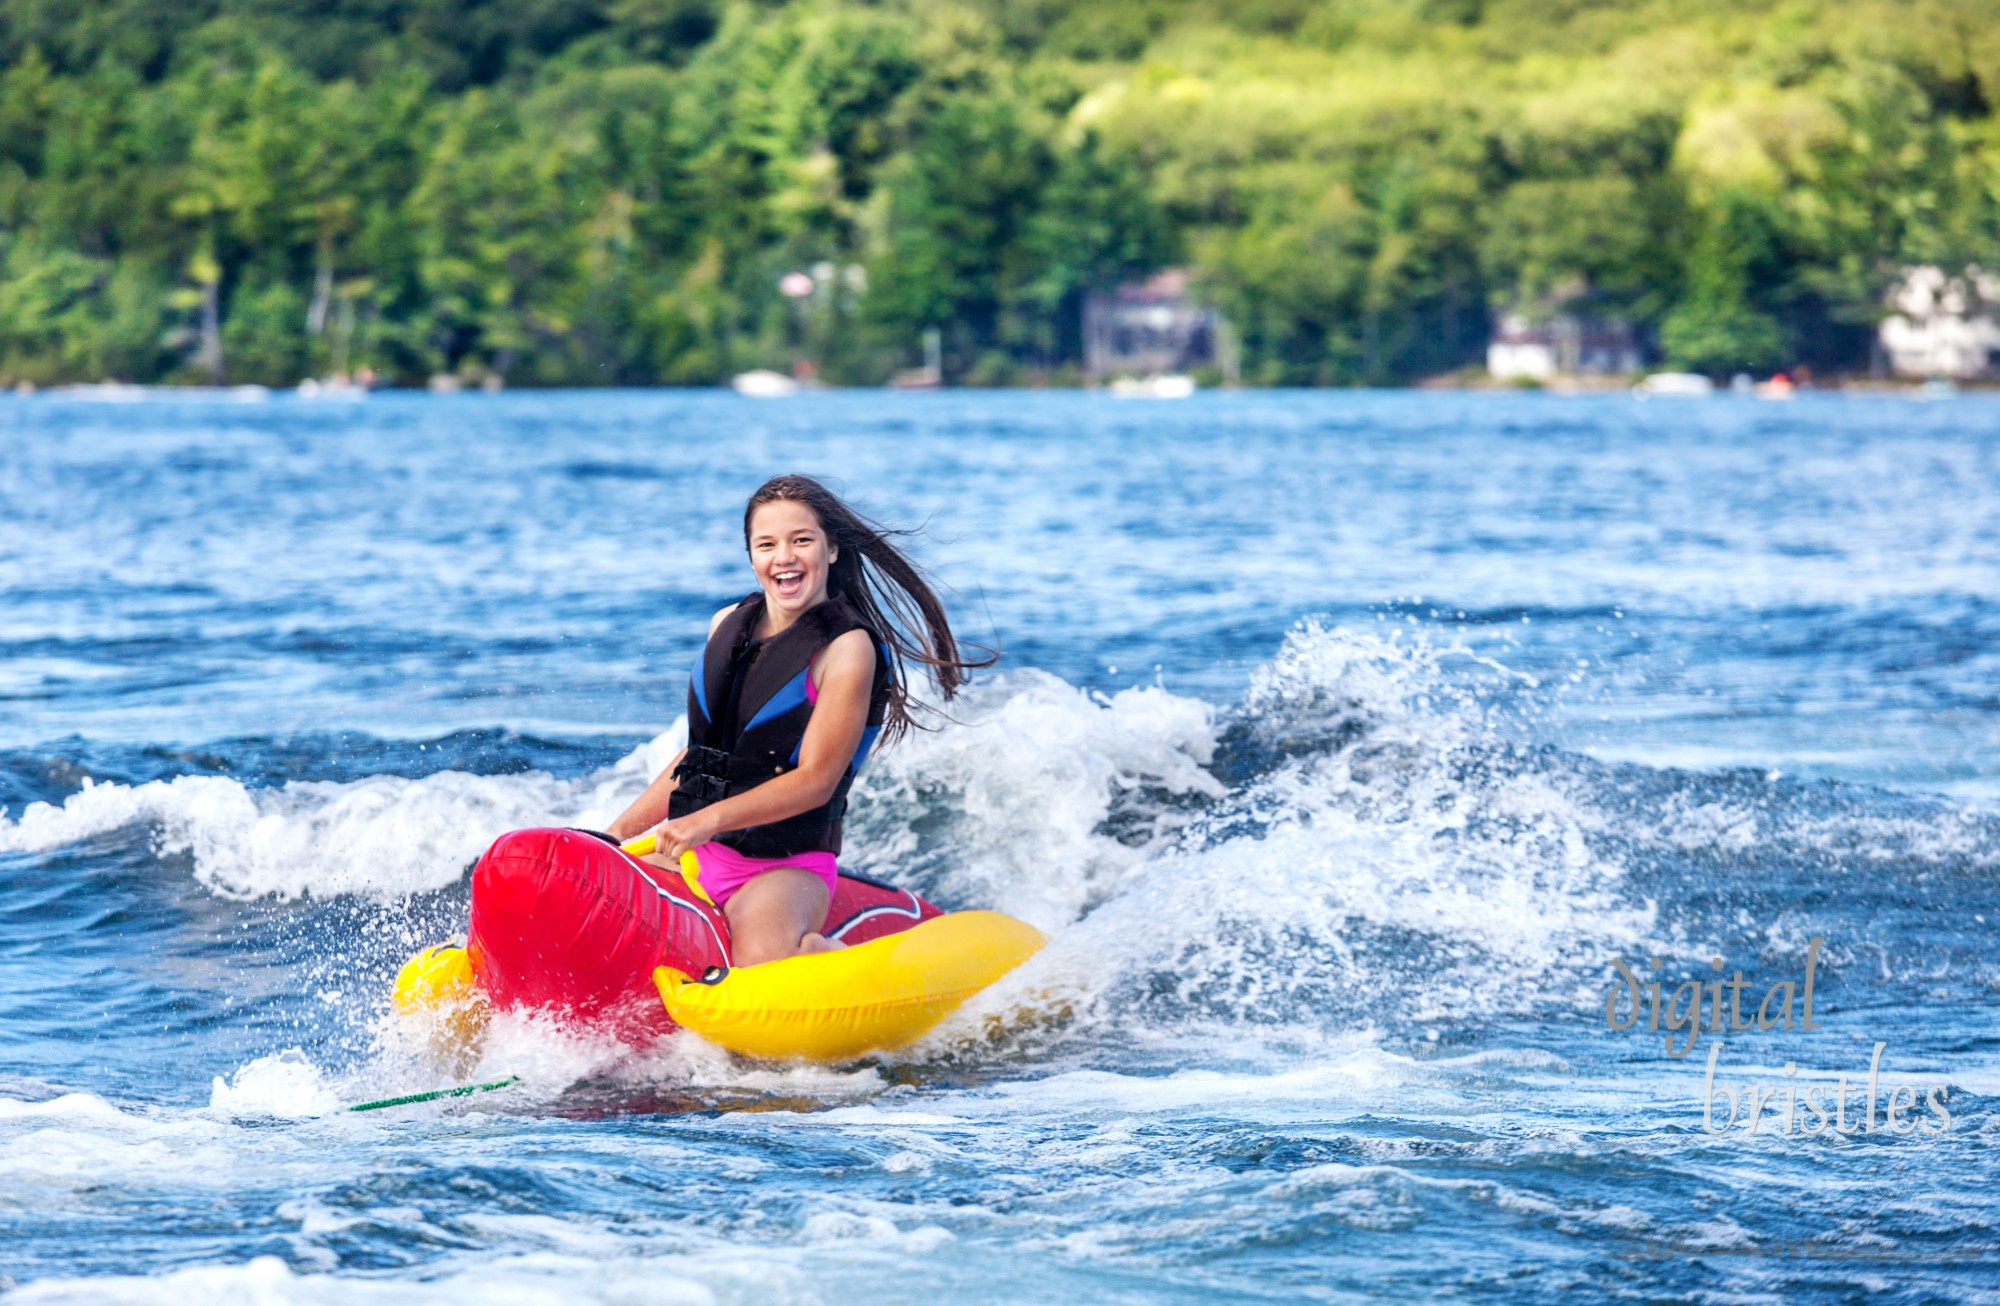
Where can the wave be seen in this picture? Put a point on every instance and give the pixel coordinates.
(1387, 857)
(1367, 845)
(384, 836)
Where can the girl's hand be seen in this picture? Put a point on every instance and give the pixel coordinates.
(677, 837)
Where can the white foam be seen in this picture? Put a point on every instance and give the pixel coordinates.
(79, 1142)
(532, 1279)
(659, 1260)
(1844, 837)
(384, 836)
(287, 1085)
(1391, 808)
(1025, 785)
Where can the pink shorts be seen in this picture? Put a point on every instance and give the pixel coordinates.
(724, 870)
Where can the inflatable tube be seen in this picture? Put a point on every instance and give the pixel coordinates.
(440, 1000)
(567, 924)
(831, 1006)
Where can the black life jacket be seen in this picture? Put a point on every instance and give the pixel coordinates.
(747, 713)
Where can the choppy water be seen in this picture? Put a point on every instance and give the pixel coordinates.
(1343, 742)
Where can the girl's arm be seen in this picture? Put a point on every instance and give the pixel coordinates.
(650, 808)
(846, 672)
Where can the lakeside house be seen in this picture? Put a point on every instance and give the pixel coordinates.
(1150, 328)
(1943, 326)
(1565, 345)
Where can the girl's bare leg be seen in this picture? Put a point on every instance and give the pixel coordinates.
(778, 915)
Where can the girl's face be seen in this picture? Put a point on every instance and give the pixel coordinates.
(792, 557)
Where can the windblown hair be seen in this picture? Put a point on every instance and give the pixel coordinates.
(886, 590)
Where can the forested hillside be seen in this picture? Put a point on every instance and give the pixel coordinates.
(609, 191)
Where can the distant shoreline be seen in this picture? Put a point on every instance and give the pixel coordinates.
(115, 392)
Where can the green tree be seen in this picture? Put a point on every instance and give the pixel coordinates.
(1096, 225)
(499, 241)
(574, 191)
(958, 210)
(1556, 241)
(1889, 190)
(1716, 327)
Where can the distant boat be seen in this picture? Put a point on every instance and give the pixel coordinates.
(917, 378)
(117, 392)
(104, 392)
(333, 389)
(1172, 385)
(764, 384)
(1675, 385)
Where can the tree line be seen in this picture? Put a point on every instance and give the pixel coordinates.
(584, 192)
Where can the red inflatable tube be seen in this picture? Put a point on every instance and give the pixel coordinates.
(566, 923)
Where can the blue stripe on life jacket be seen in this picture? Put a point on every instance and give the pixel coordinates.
(793, 694)
(700, 680)
(867, 742)
(868, 734)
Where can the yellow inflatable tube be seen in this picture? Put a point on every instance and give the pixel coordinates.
(832, 1006)
(433, 978)
(439, 998)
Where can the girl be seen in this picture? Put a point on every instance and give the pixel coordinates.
(793, 687)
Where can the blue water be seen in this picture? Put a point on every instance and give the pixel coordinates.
(1341, 741)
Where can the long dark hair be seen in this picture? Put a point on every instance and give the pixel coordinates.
(886, 590)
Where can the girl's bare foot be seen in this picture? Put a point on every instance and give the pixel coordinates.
(817, 942)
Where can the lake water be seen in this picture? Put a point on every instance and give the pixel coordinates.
(1342, 741)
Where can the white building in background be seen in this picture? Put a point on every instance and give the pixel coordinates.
(1518, 350)
(1564, 345)
(1944, 325)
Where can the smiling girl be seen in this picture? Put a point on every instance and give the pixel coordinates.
(793, 687)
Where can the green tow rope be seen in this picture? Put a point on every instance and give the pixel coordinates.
(432, 1096)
